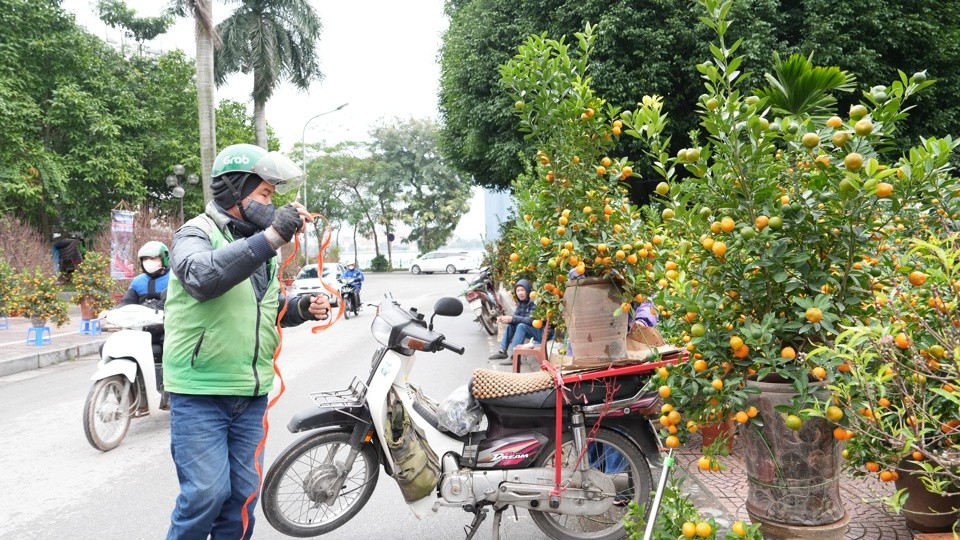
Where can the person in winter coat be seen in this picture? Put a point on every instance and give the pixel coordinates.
(150, 287)
(519, 325)
(223, 305)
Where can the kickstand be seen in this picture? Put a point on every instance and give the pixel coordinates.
(497, 514)
(479, 514)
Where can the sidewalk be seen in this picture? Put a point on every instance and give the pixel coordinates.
(66, 343)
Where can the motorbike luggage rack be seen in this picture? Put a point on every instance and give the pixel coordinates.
(352, 396)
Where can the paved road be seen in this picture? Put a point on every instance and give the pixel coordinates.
(57, 486)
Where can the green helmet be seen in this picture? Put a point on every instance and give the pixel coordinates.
(273, 167)
(155, 249)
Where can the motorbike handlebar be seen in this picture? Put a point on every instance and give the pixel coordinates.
(451, 347)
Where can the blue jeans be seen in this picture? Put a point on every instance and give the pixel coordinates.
(516, 333)
(213, 440)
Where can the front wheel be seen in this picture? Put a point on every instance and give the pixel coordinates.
(488, 317)
(347, 306)
(451, 269)
(414, 269)
(107, 411)
(295, 490)
(615, 456)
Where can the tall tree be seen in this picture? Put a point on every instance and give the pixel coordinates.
(432, 197)
(276, 40)
(207, 40)
(142, 29)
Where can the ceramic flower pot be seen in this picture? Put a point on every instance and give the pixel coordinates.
(596, 335)
(925, 511)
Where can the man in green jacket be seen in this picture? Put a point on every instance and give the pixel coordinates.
(223, 303)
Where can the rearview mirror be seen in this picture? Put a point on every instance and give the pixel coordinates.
(448, 307)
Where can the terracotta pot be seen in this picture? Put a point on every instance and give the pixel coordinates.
(38, 322)
(288, 281)
(925, 511)
(711, 432)
(794, 476)
(86, 309)
(596, 336)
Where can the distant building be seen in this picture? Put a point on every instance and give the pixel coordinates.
(499, 206)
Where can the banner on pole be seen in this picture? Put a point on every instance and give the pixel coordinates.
(121, 245)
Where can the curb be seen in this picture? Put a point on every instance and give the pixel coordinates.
(48, 358)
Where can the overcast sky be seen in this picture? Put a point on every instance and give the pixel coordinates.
(379, 56)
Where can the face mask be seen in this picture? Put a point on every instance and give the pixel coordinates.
(258, 214)
(151, 267)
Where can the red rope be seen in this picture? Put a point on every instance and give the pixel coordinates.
(245, 512)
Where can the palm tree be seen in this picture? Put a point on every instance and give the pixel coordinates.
(207, 40)
(801, 89)
(276, 39)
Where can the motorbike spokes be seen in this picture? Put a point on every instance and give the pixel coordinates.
(301, 496)
(616, 457)
(107, 412)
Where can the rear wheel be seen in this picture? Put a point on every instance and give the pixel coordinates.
(296, 498)
(488, 317)
(107, 411)
(451, 269)
(414, 269)
(615, 456)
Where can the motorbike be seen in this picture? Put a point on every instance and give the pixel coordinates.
(604, 436)
(128, 382)
(481, 296)
(350, 292)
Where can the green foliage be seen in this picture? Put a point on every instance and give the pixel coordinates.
(676, 511)
(379, 264)
(9, 286)
(116, 13)
(647, 48)
(432, 196)
(802, 89)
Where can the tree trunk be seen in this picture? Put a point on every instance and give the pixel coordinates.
(205, 104)
(260, 123)
(355, 256)
(386, 225)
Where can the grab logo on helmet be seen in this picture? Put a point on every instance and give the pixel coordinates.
(236, 160)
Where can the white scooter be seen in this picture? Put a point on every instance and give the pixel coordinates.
(129, 377)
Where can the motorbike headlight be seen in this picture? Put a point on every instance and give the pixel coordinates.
(381, 330)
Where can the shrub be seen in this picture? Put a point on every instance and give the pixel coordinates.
(379, 264)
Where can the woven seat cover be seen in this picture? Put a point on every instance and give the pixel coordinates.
(488, 384)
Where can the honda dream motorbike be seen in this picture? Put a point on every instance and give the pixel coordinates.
(606, 438)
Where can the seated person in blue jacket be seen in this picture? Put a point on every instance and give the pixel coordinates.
(352, 272)
(150, 287)
(519, 325)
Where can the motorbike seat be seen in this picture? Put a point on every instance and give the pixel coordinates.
(537, 390)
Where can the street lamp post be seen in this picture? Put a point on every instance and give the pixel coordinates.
(303, 148)
(176, 181)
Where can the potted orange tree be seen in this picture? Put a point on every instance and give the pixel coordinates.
(37, 298)
(776, 235)
(93, 285)
(899, 394)
(576, 238)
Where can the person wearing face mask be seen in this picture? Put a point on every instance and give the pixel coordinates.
(223, 304)
(150, 287)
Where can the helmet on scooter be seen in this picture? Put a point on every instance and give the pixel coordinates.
(155, 249)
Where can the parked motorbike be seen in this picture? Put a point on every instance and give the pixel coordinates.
(350, 292)
(128, 382)
(322, 480)
(481, 295)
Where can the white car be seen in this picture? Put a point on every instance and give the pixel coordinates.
(443, 261)
(308, 282)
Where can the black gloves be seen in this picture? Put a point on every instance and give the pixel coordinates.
(286, 222)
(303, 308)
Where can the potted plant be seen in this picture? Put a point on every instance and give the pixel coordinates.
(900, 393)
(8, 287)
(93, 285)
(774, 240)
(576, 238)
(38, 299)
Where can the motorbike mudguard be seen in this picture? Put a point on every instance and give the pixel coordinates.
(117, 366)
(641, 433)
(328, 418)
